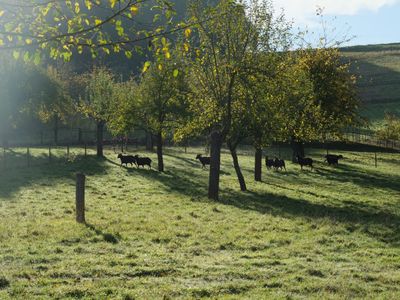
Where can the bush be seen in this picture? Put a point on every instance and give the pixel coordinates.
(391, 129)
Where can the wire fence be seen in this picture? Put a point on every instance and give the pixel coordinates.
(80, 137)
(41, 148)
(68, 136)
(370, 138)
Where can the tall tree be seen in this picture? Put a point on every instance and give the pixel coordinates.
(220, 51)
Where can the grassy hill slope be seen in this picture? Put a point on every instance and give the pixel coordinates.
(378, 71)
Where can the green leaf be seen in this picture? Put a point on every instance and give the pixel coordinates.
(146, 66)
(16, 55)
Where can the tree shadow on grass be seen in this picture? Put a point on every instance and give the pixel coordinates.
(373, 221)
(191, 162)
(361, 178)
(381, 225)
(175, 179)
(48, 174)
(106, 236)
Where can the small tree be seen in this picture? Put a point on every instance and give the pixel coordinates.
(14, 95)
(325, 102)
(262, 105)
(123, 109)
(298, 111)
(160, 96)
(391, 128)
(54, 102)
(98, 100)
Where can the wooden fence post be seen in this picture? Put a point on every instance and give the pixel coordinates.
(85, 149)
(80, 198)
(49, 154)
(68, 151)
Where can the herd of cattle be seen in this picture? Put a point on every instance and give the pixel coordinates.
(279, 164)
(276, 163)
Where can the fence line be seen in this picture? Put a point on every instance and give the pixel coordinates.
(371, 139)
(81, 143)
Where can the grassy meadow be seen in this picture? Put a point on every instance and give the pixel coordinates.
(331, 233)
(377, 68)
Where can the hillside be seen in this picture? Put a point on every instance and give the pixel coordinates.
(378, 71)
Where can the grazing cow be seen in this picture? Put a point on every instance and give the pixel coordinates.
(143, 161)
(204, 160)
(269, 163)
(128, 159)
(279, 164)
(332, 159)
(305, 161)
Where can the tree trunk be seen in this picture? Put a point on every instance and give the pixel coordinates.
(236, 165)
(258, 164)
(215, 165)
(297, 148)
(56, 130)
(160, 152)
(100, 129)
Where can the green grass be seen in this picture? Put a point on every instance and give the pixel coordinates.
(329, 233)
(378, 71)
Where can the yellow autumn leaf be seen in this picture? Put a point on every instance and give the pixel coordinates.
(134, 9)
(77, 8)
(112, 3)
(88, 4)
(188, 32)
(186, 47)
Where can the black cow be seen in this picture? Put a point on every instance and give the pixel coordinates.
(127, 159)
(143, 161)
(269, 163)
(279, 164)
(204, 160)
(332, 159)
(305, 161)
